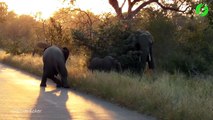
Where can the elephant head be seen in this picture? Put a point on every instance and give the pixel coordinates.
(140, 50)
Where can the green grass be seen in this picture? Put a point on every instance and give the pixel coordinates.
(166, 96)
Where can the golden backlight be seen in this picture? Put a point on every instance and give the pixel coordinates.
(48, 7)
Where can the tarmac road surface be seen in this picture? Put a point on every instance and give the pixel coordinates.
(22, 98)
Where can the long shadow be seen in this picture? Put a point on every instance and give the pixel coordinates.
(51, 105)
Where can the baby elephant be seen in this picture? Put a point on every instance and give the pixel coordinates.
(54, 60)
(106, 64)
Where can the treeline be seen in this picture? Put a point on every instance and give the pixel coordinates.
(181, 42)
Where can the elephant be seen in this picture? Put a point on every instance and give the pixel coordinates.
(138, 52)
(54, 60)
(40, 48)
(105, 64)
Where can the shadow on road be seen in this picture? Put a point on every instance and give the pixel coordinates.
(51, 105)
(26, 100)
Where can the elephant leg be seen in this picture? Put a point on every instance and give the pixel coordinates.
(142, 63)
(44, 80)
(56, 81)
(63, 74)
(64, 82)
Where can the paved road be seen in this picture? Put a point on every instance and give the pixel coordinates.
(22, 98)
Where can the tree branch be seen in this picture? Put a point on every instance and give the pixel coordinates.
(171, 8)
(130, 6)
(130, 15)
(123, 4)
(142, 4)
(135, 1)
(118, 10)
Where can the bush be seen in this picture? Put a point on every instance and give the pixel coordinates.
(194, 54)
(185, 47)
(107, 38)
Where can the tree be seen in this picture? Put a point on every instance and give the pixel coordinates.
(77, 18)
(17, 33)
(176, 5)
(3, 11)
(210, 15)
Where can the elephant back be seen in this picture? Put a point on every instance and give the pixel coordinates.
(53, 53)
(106, 64)
(95, 63)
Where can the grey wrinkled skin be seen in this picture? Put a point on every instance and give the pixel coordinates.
(54, 60)
(140, 47)
(106, 64)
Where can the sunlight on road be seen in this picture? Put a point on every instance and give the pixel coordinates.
(16, 100)
(22, 98)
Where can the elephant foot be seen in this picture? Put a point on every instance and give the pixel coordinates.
(43, 85)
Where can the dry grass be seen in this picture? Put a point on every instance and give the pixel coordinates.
(172, 97)
(24, 61)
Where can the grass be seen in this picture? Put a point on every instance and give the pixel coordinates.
(166, 96)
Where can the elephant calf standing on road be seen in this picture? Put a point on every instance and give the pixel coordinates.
(106, 64)
(54, 60)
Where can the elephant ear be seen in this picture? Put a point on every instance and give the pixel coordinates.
(66, 53)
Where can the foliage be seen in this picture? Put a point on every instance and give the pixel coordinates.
(17, 33)
(106, 37)
(179, 42)
(163, 30)
(3, 11)
(55, 33)
(210, 14)
(63, 23)
(194, 52)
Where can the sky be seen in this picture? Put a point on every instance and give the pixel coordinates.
(48, 7)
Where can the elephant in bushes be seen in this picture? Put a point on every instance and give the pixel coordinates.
(106, 64)
(54, 60)
(40, 48)
(138, 52)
